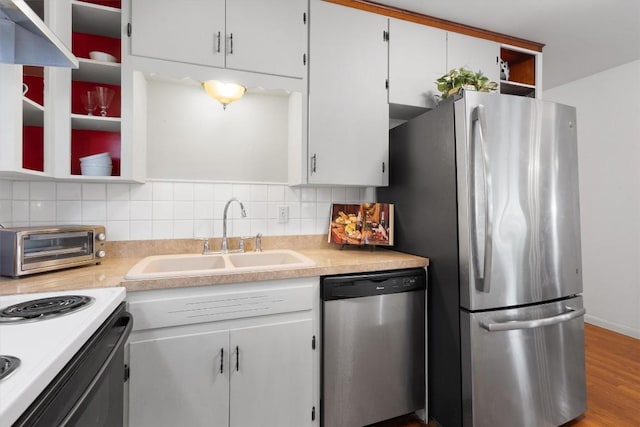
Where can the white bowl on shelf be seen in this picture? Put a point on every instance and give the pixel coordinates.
(96, 165)
(102, 56)
(101, 157)
(100, 161)
(95, 170)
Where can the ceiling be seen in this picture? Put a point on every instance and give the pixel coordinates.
(581, 37)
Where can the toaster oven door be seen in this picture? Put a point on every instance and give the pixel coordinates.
(49, 249)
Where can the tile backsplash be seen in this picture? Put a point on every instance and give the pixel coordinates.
(171, 209)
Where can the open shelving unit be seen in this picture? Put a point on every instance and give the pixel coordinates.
(522, 78)
(96, 26)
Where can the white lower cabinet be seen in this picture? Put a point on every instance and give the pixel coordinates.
(174, 381)
(271, 375)
(255, 366)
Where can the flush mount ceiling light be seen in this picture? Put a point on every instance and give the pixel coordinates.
(226, 93)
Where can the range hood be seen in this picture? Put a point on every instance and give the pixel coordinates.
(25, 39)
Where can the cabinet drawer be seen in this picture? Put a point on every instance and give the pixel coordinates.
(174, 307)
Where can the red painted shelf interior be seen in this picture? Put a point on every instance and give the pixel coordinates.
(33, 136)
(88, 142)
(33, 148)
(33, 77)
(78, 88)
(82, 44)
(85, 142)
(111, 3)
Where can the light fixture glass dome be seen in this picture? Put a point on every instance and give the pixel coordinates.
(225, 93)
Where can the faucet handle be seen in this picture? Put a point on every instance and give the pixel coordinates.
(258, 247)
(205, 246)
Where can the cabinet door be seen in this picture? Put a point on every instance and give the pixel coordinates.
(192, 31)
(271, 375)
(177, 381)
(348, 109)
(474, 54)
(267, 36)
(417, 58)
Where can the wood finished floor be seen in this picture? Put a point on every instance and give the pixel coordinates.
(613, 383)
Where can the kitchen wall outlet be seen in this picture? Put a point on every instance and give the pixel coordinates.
(283, 214)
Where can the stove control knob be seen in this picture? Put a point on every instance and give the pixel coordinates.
(101, 254)
(101, 237)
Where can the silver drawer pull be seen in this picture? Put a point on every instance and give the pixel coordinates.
(536, 323)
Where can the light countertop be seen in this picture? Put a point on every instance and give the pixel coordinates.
(329, 259)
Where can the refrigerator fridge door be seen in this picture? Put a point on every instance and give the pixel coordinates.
(518, 217)
(524, 367)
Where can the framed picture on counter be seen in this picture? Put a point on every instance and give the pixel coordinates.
(361, 224)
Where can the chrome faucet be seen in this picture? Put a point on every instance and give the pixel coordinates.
(225, 244)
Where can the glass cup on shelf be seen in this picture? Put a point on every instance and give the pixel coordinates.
(105, 96)
(90, 101)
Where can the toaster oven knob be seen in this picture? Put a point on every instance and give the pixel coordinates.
(101, 236)
(101, 254)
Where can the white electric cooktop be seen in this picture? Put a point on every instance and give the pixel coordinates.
(45, 346)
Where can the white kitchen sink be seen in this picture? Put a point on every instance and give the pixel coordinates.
(183, 265)
(268, 259)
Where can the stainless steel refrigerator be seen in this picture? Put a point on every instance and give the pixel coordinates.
(486, 186)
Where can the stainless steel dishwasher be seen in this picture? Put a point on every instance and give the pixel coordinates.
(373, 346)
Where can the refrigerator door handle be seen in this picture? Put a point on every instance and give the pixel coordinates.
(482, 267)
(512, 325)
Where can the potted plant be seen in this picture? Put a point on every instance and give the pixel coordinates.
(461, 78)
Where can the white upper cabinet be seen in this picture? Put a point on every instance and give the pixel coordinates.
(250, 35)
(473, 53)
(267, 36)
(348, 139)
(194, 32)
(417, 57)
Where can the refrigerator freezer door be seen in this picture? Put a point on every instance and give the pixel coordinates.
(524, 367)
(518, 217)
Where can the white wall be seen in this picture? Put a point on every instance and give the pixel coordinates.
(172, 209)
(190, 135)
(608, 108)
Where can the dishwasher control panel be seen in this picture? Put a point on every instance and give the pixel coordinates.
(377, 283)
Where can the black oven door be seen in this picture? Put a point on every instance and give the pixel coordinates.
(89, 390)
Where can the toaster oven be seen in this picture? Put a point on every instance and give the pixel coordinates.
(29, 250)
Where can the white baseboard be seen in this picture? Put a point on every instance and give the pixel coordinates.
(622, 329)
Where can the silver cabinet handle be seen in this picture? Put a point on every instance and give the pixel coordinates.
(230, 43)
(482, 267)
(222, 360)
(313, 163)
(537, 323)
(217, 42)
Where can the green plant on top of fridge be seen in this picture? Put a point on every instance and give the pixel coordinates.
(462, 78)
